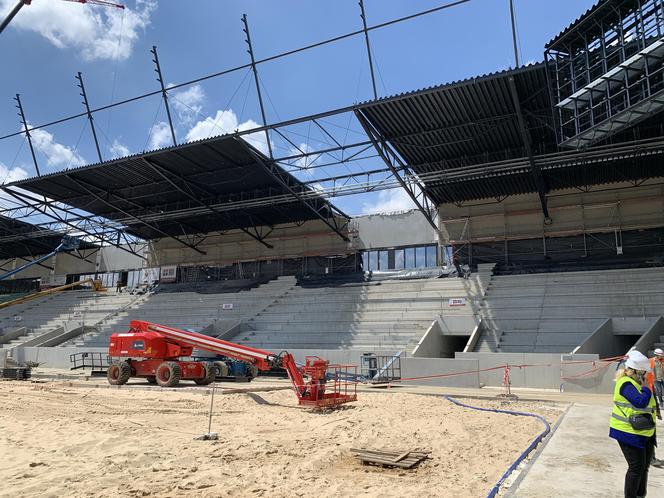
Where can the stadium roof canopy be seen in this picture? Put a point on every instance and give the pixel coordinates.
(19, 239)
(464, 141)
(211, 185)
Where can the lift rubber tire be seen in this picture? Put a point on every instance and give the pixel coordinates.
(118, 373)
(252, 371)
(221, 369)
(210, 375)
(151, 380)
(168, 374)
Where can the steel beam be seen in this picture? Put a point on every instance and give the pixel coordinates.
(37, 207)
(387, 154)
(134, 217)
(526, 138)
(164, 95)
(363, 15)
(164, 173)
(24, 122)
(86, 104)
(273, 170)
(258, 86)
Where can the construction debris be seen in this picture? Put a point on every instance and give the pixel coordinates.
(403, 459)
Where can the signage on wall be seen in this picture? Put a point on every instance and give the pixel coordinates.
(168, 274)
(457, 301)
(227, 306)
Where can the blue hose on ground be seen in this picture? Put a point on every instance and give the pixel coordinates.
(547, 428)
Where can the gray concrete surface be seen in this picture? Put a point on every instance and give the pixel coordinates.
(581, 460)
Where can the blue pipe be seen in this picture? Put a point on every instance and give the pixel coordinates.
(547, 428)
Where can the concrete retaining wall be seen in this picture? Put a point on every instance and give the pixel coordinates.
(431, 343)
(419, 367)
(545, 371)
(545, 376)
(646, 343)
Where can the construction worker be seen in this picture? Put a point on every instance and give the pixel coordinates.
(651, 377)
(657, 364)
(633, 422)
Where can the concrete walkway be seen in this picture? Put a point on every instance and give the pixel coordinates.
(581, 460)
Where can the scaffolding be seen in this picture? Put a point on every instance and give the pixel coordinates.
(606, 71)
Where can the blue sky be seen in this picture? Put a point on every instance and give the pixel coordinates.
(51, 40)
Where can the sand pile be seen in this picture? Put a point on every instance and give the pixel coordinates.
(58, 440)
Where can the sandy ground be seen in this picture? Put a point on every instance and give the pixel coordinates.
(60, 439)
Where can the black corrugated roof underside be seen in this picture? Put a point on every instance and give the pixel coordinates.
(449, 128)
(468, 122)
(161, 185)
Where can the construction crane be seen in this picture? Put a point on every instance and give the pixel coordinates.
(19, 5)
(153, 352)
(67, 244)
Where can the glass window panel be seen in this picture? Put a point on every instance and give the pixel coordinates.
(373, 260)
(431, 256)
(399, 259)
(410, 257)
(419, 257)
(383, 260)
(365, 261)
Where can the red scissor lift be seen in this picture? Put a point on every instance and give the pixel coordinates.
(154, 352)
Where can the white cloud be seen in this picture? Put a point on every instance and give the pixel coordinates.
(97, 33)
(57, 155)
(226, 122)
(11, 175)
(118, 150)
(8, 176)
(389, 201)
(161, 136)
(188, 103)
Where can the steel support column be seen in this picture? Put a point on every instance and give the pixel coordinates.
(164, 94)
(363, 15)
(79, 77)
(24, 122)
(388, 155)
(534, 167)
(258, 86)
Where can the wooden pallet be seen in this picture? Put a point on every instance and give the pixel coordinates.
(403, 459)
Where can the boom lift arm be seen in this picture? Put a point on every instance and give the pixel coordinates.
(162, 343)
(67, 244)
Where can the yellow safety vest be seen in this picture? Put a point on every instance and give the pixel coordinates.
(623, 409)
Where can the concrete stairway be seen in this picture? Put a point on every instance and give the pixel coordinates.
(68, 308)
(190, 310)
(555, 312)
(387, 316)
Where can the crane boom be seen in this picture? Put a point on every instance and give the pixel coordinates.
(20, 3)
(103, 3)
(264, 360)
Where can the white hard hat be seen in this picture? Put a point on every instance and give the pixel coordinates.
(659, 352)
(636, 360)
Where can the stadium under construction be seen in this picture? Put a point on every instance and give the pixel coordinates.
(533, 256)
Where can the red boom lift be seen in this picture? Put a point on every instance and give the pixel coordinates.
(153, 352)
